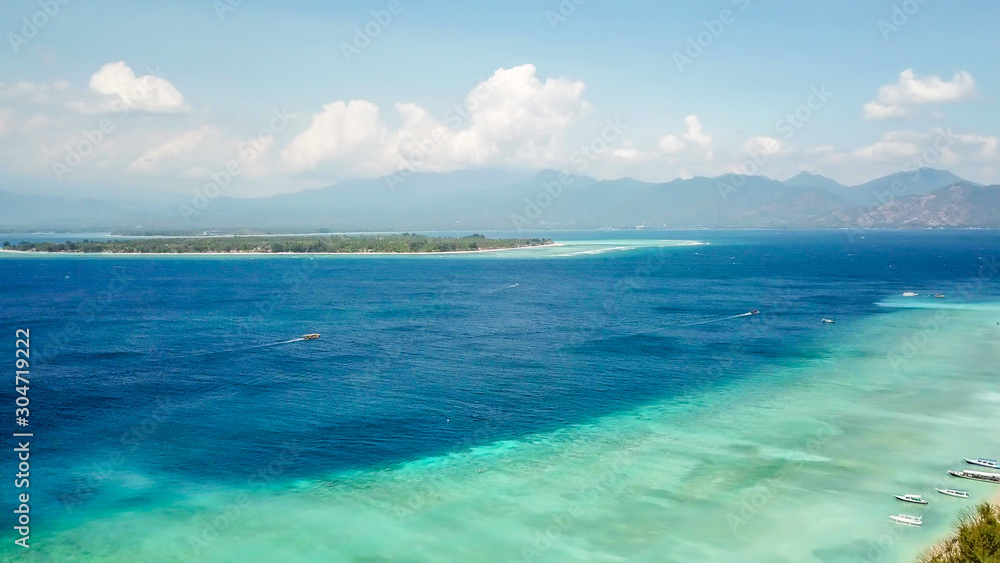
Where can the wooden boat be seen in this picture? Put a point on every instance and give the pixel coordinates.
(953, 493)
(906, 519)
(977, 476)
(915, 499)
(983, 462)
(310, 336)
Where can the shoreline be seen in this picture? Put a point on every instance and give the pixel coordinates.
(555, 244)
(434, 253)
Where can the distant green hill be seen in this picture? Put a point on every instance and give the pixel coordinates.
(962, 204)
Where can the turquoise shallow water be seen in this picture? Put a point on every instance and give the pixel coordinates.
(633, 438)
(798, 466)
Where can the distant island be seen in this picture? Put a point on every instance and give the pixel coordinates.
(405, 243)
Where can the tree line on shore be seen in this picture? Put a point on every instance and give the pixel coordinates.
(403, 243)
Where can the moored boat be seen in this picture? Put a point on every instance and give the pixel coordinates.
(953, 492)
(983, 462)
(906, 519)
(915, 499)
(909, 294)
(977, 476)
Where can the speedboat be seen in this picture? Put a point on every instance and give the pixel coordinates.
(906, 519)
(915, 499)
(909, 294)
(983, 462)
(953, 493)
(938, 296)
(755, 312)
(977, 476)
(828, 321)
(310, 336)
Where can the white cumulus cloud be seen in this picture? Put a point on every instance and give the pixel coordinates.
(763, 145)
(339, 131)
(894, 100)
(892, 146)
(670, 144)
(35, 92)
(116, 83)
(4, 120)
(113, 88)
(153, 160)
(510, 118)
(695, 134)
(987, 145)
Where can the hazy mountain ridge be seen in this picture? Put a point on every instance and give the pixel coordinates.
(504, 200)
(963, 204)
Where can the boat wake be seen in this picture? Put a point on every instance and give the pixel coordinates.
(748, 314)
(300, 339)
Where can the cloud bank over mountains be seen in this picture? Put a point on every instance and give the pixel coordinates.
(137, 130)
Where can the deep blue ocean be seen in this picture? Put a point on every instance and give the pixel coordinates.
(173, 365)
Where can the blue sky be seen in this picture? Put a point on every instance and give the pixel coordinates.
(551, 82)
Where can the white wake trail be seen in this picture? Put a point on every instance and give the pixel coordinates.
(717, 320)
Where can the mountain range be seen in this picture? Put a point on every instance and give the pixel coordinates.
(503, 200)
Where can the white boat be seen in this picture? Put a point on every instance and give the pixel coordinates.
(909, 294)
(977, 476)
(915, 499)
(828, 321)
(983, 462)
(953, 493)
(906, 519)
